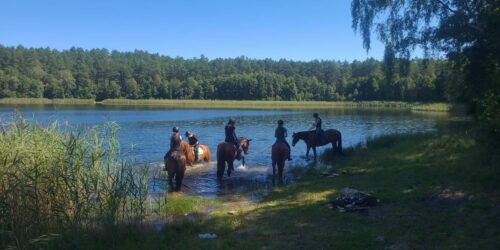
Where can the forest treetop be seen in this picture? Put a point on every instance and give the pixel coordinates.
(101, 74)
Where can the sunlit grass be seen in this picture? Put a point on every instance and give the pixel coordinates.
(181, 205)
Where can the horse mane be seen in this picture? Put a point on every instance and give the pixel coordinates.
(243, 139)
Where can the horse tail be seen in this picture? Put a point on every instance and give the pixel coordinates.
(207, 153)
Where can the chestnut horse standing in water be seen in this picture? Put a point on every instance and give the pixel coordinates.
(279, 155)
(332, 136)
(175, 165)
(226, 153)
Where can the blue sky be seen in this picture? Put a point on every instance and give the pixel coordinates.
(299, 30)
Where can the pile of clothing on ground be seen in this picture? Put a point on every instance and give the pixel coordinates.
(352, 200)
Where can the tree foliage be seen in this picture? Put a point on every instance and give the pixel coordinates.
(100, 74)
(465, 30)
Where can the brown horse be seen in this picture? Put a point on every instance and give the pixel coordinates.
(332, 136)
(175, 165)
(279, 155)
(226, 153)
(203, 154)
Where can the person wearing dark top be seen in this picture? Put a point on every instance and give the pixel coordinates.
(281, 133)
(317, 127)
(230, 131)
(175, 142)
(193, 142)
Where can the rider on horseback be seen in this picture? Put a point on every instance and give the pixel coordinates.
(317, 127)
(230, 131)
(280, 133)
(175, 142)
(193, 142)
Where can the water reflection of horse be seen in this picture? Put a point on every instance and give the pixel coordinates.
(203, 153)
(279, 155)
(175, 165)
(332, 136)
(226, 153)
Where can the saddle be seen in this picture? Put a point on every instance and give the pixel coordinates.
(200, 151)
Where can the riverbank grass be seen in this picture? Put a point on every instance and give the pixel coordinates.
(46, 101)
(263, 104)
(244, 104)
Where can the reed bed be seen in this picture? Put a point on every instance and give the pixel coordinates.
(252, 104)
(55, 180)
(243, 104)
(45, 101)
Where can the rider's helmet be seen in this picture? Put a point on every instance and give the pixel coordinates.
(187, 133)
(280, 122)
(315, 115)
(175, 129)
(231, 121)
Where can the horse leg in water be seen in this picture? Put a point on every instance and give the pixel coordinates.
(221, 163)
(281, 166)
(178, 179)
(230, 167)
(314, 151)
(170, 182)
(307, 152)
(274, 168)
(170, 176)
(221, 166)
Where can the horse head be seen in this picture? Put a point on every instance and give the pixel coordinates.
(296, 138)
(244, 143)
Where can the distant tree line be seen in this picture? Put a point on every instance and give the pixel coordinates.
(100, 74)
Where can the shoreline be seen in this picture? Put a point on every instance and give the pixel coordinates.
(246, 104)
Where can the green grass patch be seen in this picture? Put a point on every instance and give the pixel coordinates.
(178, 204)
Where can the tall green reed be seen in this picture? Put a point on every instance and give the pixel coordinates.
(54, 180)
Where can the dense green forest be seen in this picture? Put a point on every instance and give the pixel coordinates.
(100, 74)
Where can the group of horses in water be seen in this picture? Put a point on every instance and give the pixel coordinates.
(177, 162)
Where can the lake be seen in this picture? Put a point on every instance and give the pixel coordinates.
(145, 131)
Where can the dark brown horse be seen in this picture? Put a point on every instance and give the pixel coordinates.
(332, 136)
(226, 153)
(279, 155)
(175, 165)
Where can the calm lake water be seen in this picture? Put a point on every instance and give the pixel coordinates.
(145, 131)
